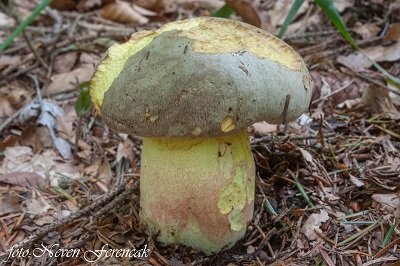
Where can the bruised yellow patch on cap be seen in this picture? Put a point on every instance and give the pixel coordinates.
(113, 64)
(216, 35)
(208, 35)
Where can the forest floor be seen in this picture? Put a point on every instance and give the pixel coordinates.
(328, 184)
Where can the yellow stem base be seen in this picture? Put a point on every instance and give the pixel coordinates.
(198, 192)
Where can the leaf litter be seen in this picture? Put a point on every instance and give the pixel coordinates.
(343, 158)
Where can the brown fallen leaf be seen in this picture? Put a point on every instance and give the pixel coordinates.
(16, 96)
(47, 164)
(6, 21)
(342, 5)
(143, 11)
(393, 33)
(280, 10)
(148, 4)
(356, 61)
(247, 10)
(6, 108)
(87, 5)
(36, 206)
(378, 100)
(125, 150)
(65, 62)
(263, 128)
(7, 60)
(389, 202)
(24, 179)
(122, 12)
(367, 30)
(43, 220)
(383, 53)
(393, 96)
(9, 203)
(67, 81)
(63, 4)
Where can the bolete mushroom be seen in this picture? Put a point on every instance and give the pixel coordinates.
(191, 89)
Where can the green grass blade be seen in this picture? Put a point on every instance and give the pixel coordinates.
(332, 13)
(23, 24)
(269, 207)
(392, 78)
(304, 194)
(224, 12)
(290, 16)
(329, 8)
(359, 234)
(388, 236)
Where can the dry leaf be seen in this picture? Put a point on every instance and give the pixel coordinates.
(281, 9)
(341, 5)
(86, 5)
(7, 60)
(46, 164)
(8, 204)
(63, 4)
(356, 61)
(65, 62)
(348, 104)
(247, 10)
(393, 96)
(43, 220)
(382, 53)
(37, 206)
(67, 81)
(25, 179)
(378, 100)
(390, 202)
(144, 11)
(307, 156)
(263, 128)
(148, 4)
(6, 21)
(367, 30)
(393, 33)
(122, 12)
(125, 150)
(313, 223)
(356, 181)
(325, 90)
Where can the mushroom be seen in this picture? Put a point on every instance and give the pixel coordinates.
(191, 89)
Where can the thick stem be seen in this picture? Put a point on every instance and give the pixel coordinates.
(198, 192)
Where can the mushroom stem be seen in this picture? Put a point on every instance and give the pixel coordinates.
(198, 191)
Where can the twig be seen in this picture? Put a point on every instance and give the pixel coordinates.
(37, 88)
(9, 120)
(289, 137)
(33, 50)
(333, 93)
(388, 246)
(58, 25)
(118, 199)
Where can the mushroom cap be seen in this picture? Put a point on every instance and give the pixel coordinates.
(200, 77)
